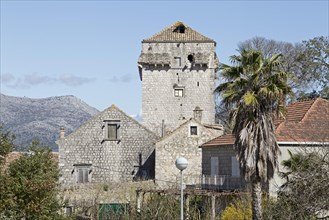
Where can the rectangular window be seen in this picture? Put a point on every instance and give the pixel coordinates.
(177, 61)
(68, 210)
(194, 130)
(214, 166)
(83, 172)
(111, 132)
(235, 167)
(178, 92)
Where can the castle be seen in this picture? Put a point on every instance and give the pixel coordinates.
(177, 67)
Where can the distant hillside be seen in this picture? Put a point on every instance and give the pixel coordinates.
(42, 118)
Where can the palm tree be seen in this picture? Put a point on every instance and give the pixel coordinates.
(254, 91)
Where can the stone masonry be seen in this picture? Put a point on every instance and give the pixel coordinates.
(130, 155)
(182, 143)
(178, 68)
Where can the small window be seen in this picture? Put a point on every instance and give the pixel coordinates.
(82, 172)
(190, 58)
(177, 61)
(111, 130)
(68, 210)
(235, 167)
(180, 29)
(178, 92)
(194, 130)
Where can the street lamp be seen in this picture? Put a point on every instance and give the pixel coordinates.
(181, 164)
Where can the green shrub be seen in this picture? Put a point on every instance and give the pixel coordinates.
(239, 209)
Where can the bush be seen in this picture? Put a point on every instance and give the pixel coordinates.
(239, 209)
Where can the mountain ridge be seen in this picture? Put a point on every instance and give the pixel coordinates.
(42, 118)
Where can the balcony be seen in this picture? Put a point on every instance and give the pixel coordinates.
(216, 183)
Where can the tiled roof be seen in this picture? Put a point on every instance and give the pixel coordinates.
(227, 139)
(306, 121)
(174, 33)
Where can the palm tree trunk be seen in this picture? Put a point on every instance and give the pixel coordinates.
(256, 193)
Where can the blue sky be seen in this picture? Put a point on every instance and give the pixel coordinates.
(89, 49)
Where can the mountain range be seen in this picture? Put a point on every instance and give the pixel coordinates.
(42, 118)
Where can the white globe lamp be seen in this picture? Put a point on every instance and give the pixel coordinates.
(181, 164)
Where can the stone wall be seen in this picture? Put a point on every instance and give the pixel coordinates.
(181, 143)
(161, 73)
(109, 160)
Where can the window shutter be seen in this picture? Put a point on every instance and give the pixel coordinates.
(85, 175)
(235, 167)
(112, 131)
(80, 175)
(214, 166)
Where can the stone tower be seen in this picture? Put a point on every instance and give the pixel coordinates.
(177, 67)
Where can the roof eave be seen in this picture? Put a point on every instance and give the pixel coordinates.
(302, 143)
(179, 41)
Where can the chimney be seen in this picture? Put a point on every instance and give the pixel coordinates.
(198, 114)
(62, 133)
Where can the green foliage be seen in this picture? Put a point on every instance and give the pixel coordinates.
(35, 179)
(305, 193)
(6, 143)
(239, 209)
(255, 89)
(307, 63)
(29, 186)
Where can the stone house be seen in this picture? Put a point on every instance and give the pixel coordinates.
(183, 141)
(110, 147)
(306, 125)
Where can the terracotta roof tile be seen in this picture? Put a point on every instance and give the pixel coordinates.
(173, 34)
(306, 121)
(227, 139)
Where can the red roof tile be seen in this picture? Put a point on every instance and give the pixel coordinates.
(306, 121)
(227, 139)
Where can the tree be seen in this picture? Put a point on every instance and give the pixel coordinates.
(307, 63)
(29, 186)
(305, 193)
(6, 144)
(316, 60)
(255, 90)
(239, 209)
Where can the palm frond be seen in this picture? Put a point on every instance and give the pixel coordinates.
(255, 87)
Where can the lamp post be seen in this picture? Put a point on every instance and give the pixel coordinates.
(181, 164)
